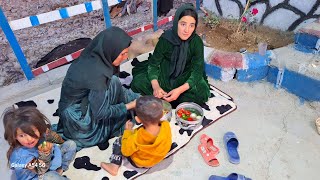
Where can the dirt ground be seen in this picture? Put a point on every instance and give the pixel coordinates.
(37, 42)
(225, 37)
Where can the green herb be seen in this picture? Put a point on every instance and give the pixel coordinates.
(43, 144)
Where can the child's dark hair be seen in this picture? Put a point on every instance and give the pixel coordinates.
(149, 109)
(23, 118)
(189, 12)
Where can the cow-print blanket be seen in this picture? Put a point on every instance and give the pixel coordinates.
(87, 162)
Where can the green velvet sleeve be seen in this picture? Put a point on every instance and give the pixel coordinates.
(197, 61)
(156, 59)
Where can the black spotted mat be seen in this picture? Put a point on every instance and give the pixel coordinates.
(87, 162)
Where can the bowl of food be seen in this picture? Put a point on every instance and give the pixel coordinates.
(167, 111)
(189, 115)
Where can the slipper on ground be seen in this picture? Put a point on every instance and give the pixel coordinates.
(232, 176)
(208, 156)
(231, 143)
(208, 141)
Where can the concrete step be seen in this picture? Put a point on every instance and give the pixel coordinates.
(295, 71)
(307, 38)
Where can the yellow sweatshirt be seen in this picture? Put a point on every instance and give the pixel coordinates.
(145, 149)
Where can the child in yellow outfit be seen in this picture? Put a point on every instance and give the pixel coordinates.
(147, 145)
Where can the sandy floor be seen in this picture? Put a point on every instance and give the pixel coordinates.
(276, 131)
(277, 136)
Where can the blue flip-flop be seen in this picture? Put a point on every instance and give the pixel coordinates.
(231, 143)
(232, 176)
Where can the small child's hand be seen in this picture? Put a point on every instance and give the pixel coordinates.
(129, 125)
(45, 147)
(131, 105)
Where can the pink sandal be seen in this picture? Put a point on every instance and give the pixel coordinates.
(207, 141)
(208, 156)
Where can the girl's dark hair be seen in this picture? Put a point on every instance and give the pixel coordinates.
(189, 12)
(23, 118)
(149, 109)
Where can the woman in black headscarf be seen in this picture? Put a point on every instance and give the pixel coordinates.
(175, 71)
(93, 104)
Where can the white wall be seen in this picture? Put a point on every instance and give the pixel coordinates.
(277, 14)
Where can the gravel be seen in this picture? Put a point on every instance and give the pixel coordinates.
(38, 41)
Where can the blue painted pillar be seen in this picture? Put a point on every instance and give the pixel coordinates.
(198, 4)
(106, 14)
(15, 45)
(155, 15)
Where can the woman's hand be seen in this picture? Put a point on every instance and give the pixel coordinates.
(175, 93)
(129, 125)
(131, 105)
(158, 92)
(172, 95)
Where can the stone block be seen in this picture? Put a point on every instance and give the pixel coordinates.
(289, 58)
(252, 74)
(255, 60)
(304, 49)
(226, 59)
(312, 29)
(296, 83)
(307, 40)
(213, 71)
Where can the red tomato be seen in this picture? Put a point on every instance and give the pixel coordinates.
(180, 111)
(190, 119)
(187, 113)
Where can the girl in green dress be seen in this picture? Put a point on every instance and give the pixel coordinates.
(175, 71)
(93, 104)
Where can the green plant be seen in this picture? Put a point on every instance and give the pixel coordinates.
(211, 20)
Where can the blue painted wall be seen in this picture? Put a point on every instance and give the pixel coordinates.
(213, 71)
(255, 60)
(250, 75)
(306, 40)
(298, 84)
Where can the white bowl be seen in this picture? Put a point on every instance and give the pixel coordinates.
(189, 125)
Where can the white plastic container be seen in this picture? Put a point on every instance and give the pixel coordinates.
(262, 48)
(227, 74)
